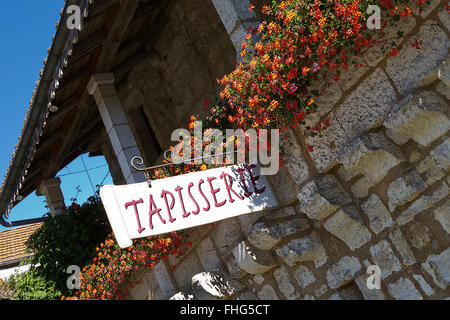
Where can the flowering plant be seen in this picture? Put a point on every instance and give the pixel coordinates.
(110, 275)
(305, 41)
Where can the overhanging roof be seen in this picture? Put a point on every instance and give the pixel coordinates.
(115, 35)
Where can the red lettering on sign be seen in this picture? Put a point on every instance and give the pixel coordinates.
(185, 214)
(254, 179)
(134, 203)
(193, 200)
(154, 210)
(229, 186)
(214, 191)
(244, 186)
(172, 204)
(203, 195)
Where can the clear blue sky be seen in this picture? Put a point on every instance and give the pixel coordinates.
(26, 29)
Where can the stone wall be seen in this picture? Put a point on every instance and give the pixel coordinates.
(374, 190)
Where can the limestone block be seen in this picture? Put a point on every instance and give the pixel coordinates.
(419, 235)
(374, 54)
(347, 225)
(379, 216)
(304, 276)
(429, 291)
(267, 293)
(329, 94)
(404, 289)
(228, 234)
(355, 71)
(443, 71)
(293, 158)
(320, 291)
(431, 171)
(423, 203)
(425, 10)
(442, 214)
(184, 272)
(284, 281)
(346, 175)
(182, 296)
(233, 268)
(343, 271)
(308, 248)
(208, 255)
(321, 197)
(253, 260)
(248, 295)
(444, 17)
(384, 258)
(438, 266)
(368, 294)
(367, 106)
(398, 138)
(266, 237)
(326, 147)
(410, 65)
(212, 286)
(371, 155)
(402, 247)
(281, 213)
(361, 187)
(283, 185)
(441, 155)
(405, 189)
(424, 110)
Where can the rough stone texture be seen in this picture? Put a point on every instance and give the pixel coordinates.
(441, 155)
(367, 106)
(379, 216)
(267, 293)
(419, 235)
(233, 268)
(426, 9)
(259, 278)
(429, 291)
(342, 271)
(374, 54)
(424, 110)
(402, 247)
(321, 197)
(247, 296)
(445, 18)
(320, 291)
(284, 281)
(347, 226)
(354, 72)
(281, 213)
(405, 189)
(293, 158)
(329, 94)
(404, 289)
(371, 155)
(368, 294)
(442, 214)
(304, 276)
(253, 260)
(266, 237)
(308, 248)
(410, 65)
(438, 266)
(212, 286)
(384, 258)
(430, 170)
(326, 147)
(184, 272)
(361, 187)
(208, 255)
(228, 234)
(423, 203)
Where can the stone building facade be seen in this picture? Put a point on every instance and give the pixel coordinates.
(372, 190)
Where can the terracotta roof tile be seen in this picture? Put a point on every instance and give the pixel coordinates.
(12, 242)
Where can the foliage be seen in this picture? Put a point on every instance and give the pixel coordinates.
(32, 286)
(109, 276)
(305, 41)
(68, 239)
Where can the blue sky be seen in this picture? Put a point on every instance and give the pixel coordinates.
(26, 29)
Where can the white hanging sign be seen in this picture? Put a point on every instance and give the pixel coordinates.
(185, 201)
